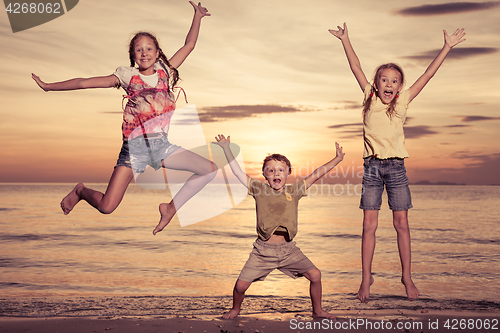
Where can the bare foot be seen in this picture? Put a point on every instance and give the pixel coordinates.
(167, 211)
(364, 290)
(323, 314)
(72, 199)
(411, 290)
(231, 314)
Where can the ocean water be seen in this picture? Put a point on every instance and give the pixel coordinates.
(455, 246)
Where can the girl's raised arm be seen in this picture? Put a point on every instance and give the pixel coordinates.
(449, 42)
(351, 55)
(79, 83)
(192, 36)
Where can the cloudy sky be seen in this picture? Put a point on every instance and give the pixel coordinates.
(268, 73)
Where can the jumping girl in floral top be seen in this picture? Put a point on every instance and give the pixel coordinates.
(146, 120)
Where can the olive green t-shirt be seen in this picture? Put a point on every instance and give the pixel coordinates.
(276, 210)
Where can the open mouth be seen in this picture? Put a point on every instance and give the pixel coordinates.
(388, 94)
(276, 182)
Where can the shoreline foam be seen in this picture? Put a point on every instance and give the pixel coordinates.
(151, 306)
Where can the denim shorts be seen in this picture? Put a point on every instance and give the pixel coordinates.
(140, 152)
(390, 173)
(265, 258)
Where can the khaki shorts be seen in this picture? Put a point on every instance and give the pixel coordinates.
(265, 258)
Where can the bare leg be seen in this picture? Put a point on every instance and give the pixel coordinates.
(400, 221)
(105, 203)
(238, 295)
(203, 172)
(370, 223)
(316, 291)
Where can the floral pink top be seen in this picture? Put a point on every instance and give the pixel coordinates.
(149, 109)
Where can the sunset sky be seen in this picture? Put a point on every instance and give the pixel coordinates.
(267, 73)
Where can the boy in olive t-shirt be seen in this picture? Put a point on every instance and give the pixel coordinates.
(277, 209)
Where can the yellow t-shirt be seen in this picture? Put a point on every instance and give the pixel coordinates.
(276, 210)
(383, 135)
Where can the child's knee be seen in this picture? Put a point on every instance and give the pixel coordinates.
(213, 170)
(241, 286)
(313, 275)
(370, 226)
(370, 221)
(401, 226)
(106, 208)
(210, 170)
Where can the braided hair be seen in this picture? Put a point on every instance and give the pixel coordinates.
(162, 58)
(391, 108)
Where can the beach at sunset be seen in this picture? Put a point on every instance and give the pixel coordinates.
(111, 272)
(271, 76)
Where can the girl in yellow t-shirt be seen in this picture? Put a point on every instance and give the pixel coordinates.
(384, 113)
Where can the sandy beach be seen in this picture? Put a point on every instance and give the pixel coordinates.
(260, 314)
(88, 272)
(347, 321)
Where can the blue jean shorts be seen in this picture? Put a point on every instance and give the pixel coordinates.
(265, 258)
(140, 152)
(390, 173)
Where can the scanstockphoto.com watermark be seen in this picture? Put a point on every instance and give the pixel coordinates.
(356, 324)
(25, 15)
(431, 324)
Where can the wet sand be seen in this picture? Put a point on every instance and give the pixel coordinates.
(146, 314)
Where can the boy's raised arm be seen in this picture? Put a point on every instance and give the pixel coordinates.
(224, 143)
(323, 170)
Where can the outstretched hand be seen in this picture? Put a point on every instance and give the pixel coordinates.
(456, 38)
(199, 9)
(341, 33)
(222, 141)
(40, 83)
(339, 151)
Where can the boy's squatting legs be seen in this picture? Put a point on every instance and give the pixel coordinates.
(315, 291)
(104, 203)
(370, 223)
(400, 221)
(204, 171)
